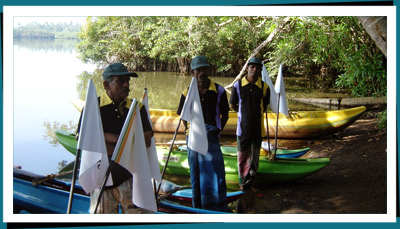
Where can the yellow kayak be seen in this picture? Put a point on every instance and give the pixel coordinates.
(299, 124)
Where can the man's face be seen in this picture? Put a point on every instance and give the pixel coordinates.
(118, 88)
(201, 74)
(254, 70)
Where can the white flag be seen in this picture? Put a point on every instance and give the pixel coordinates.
(273, 100)
(192, 112)
(131, 153)
(94, 160)
(151, 151)
(280, 89)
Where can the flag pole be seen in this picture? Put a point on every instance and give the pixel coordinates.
(103, 186)
(155, 188)
(269, 145)
(267, 80)
(169, 154)
(276, 130)
(71, 192)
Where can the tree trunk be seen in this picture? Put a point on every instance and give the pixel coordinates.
(376, 27)
(345, 102)
(257, 50)
(181, 64)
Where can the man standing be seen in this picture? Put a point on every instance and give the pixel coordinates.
(207, 173)
(249, 97)
(114, 107)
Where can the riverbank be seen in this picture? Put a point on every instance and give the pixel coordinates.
(354, 182)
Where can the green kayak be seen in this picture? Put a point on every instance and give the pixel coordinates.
(280, 153)
(281, 170)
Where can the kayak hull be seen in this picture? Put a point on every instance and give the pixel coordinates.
(68, 141)
(53, 199)
(281, 170)
(280, 153)
(298, 125)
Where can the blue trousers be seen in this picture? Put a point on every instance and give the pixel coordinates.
(207, 174)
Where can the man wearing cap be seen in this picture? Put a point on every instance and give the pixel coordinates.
(114, 107)
(249, 97)
(207, 173)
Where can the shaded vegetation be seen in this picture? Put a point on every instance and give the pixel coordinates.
(382, 120)
(334, 51)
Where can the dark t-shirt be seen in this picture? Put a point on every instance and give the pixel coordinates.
(252, 101)
(113, 117)
(209, 103)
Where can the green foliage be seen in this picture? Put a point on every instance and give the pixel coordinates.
(48, 31)
(84, 77)
(382, 120)
(334, 51)
(149, 43)
(365, 74)
(61, 164)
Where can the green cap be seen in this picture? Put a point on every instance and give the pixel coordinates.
(199, 61)
(117, 69)
(255, 61)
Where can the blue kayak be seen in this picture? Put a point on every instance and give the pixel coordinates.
(53, 196)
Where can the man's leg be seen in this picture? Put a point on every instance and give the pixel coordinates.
(244, 162)
(108, 204)
(255, 157)
(125, 197)
(194, 177)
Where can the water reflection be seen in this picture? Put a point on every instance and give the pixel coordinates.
(50, 128)
(165, 88)
(58, 45)
(43, 82)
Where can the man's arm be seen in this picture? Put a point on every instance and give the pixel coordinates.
(147, 130)
(224, 110)
(234, 101)
(147, 138)
(111, 141)
(266, 100)
(180, 107)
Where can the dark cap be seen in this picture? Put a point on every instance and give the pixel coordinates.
(117, 69)
(255, 61)
(199, 61)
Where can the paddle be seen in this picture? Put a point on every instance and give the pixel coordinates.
(280, 90)
(269, 145)
(169, 154)
(276, 130)
(50, 177)
(71, 192)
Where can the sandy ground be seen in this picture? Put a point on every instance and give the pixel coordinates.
(355, 181)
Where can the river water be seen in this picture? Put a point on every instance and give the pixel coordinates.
(44, 82)
(48, 75)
